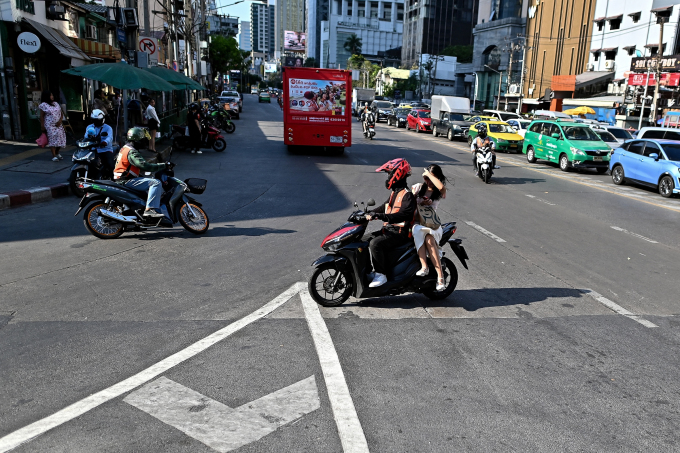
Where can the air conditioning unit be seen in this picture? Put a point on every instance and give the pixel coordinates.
(591, 66)
(90, 32)
(609, 65)
(513, 89)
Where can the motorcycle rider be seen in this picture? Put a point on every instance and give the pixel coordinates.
(481, 141)
(194, 116)
(129, 166)
(369, 118)
(397, 214)
(103, 131)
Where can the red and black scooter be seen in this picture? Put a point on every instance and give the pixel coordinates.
(344, 270)
(210, 138)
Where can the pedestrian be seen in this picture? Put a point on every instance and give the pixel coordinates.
(51, 116)
(154, 122)
(100, 102)
(194, 125)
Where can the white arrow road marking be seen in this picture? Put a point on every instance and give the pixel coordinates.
(617, 308)
(349, 427)
(219, 426)
(634, 234)
(484, 231)
(79, 408)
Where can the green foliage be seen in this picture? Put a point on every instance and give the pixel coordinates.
(353, 44)
(356, 62)
(225, 54)
(463, 53)
(311, 63)
(410, 84)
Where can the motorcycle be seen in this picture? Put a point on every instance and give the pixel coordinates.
(220, 119)
(210, 138)
(345, 270)
(87, 162)
(112, 208)
(484, 158)
(370, 127)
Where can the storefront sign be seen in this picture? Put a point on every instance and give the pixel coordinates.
(121, 35)
(670, 63)
(28, 42)
(667, 79)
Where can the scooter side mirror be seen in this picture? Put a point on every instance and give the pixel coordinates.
(356, 205)
(371, 202)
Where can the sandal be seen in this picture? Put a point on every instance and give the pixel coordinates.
(441, 286)
(423, 272)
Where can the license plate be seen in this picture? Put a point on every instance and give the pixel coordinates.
(513, 146)
(597, 159)
(335, 139)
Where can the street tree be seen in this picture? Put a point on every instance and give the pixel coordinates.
(353, 44)
(311, 63)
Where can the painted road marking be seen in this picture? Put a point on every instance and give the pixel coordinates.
(349, 427)
(484, 231)
(617, 308)
(217, 425)
(85, 405)
(541, 200)
(634, 234)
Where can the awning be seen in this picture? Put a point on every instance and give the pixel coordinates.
(63, 44)
(617, 17)
(663, 8)
(533, 101)
(654, 45)
(609, 49)
(97, 49)
(593, 77)
(599, 19)
(639, 13)
(628, 47)
(595, 50)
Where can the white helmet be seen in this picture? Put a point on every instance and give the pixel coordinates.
(98, 117)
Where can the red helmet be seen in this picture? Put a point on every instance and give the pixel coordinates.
(397, 169)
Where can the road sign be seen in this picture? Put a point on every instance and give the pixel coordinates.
(150, 46)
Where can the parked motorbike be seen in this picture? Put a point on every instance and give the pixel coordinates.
(220, 119)
(88, 163)
(344, 270)
(484, 158)
(210, 138)
(112, 208)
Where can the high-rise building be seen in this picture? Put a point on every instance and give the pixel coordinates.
(262, 28)
(244, 36)
(430, 26)
(379, 25)
(317, 12)
(290, 15)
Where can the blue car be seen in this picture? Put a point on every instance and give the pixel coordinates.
(653, 163)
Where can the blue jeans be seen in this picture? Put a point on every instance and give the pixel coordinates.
(153, 200)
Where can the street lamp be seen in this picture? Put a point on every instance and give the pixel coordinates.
(500, 82)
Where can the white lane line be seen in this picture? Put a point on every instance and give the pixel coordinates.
(617, 308)
(484, 231)
(634, 234)
(79, 408)
(362, 160)
(349, 427)
(540, 199)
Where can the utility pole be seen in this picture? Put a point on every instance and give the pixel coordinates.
(147, 22)
(661, 18)
(507, 81)
(642, 107)
(521, 77)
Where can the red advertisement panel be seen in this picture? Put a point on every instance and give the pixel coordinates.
(671, 79)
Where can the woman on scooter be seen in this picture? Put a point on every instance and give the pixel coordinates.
(429, 193)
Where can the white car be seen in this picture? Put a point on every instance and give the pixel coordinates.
(232, 102)
(520, 126)
(620, 133)
(659, 133)
(501, 115)
(234, 94)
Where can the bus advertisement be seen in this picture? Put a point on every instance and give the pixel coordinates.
(315, 107)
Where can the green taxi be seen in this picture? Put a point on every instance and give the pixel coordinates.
(264, 97)
(567, 143)
(502, 134)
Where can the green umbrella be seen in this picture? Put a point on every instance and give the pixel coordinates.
(176, 78)
(122, 76)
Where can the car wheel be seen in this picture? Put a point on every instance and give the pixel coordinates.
(417, 129)
(434, 131)
(449, 135)
(564, 162)
(618, 175)
(531, 155)
(666, 186)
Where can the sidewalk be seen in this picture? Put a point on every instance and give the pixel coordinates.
(28, 175)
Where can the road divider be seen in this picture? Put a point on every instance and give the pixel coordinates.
(485, 232)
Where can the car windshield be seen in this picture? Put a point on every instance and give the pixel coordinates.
(672, 151)
(383, 105)
(500, 129)
(581, 133)
(423, 114)
(620, 133)
(508, 116)
(472, 118)
(456, 117)
(401, 111)
(607, 137)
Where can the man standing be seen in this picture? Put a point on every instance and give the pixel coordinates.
(194, 125)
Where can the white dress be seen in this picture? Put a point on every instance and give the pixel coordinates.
(419, 231)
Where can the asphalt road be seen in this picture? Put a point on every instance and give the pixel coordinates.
(562, 335)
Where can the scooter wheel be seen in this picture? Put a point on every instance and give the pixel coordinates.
(219, 145)
(321, 286)
(229, 128)
(450, 280)
(77, 191)
(99, 226)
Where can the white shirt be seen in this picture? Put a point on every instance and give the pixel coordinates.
(151, 113)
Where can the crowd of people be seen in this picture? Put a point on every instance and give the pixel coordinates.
(332, 97)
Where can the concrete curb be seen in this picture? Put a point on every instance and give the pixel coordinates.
(33, 195)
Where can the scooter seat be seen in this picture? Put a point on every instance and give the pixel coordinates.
(118, 185)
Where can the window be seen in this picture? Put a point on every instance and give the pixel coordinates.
(631, 50)
(672, 152)
(635, 17)
(615, 24)
(536, 127)
(579, 133)
(31, 74)
(596, 56)
(349, 7)
(374, 9)
(361, 9)
(636, 147)
(653, 134)
(610, 55)
(651, 148)
(387, 11)
(671, 135)
(620, 133)
(600, 25)
(400, 12)
(545, 130)
(555, 129)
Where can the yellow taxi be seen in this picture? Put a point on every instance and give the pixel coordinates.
(502, 134)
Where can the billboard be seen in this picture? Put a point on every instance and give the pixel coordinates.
(294, 62)
(294, 41)
(269, 67)
(321, 97)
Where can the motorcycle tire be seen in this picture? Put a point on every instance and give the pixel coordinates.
(219, 145)
(328, 272)
(486, 176)
(197, 225)
(370, 136)
(98, 226)
(451, 281)
(229, 128)
(78, 192)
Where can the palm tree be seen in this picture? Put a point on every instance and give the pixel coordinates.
(353, 44)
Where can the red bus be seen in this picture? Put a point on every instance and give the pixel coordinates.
(317, 108)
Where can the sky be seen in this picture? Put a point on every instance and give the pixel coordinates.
(242, 10)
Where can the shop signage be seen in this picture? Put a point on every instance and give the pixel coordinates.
(670, 63)
(28, 42)
(121, 35)
(667, 79)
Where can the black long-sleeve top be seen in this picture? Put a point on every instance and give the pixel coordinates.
(404, 214)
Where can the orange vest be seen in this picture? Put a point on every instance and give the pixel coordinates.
(396, 206)
(124, 169)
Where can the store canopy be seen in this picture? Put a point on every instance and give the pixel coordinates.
(175, 78)
(593, 77)
(122, 76)
(583, 110)
(61, 42)
(97, 49)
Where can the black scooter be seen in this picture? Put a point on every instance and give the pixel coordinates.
(88, 163)
(114, 208)
(344, 270)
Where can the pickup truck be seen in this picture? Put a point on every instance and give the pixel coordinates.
(451, 125)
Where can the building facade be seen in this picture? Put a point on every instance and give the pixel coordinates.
(262, 28)
(222, 25)
(290, 15)
(432, 25)
(244, 36)
(379, 25)
(317, 12)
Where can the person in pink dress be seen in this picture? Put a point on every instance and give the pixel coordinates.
(50, 121)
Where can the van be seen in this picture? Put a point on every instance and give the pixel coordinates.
(501, 115)
(448, 116)
(659, 133)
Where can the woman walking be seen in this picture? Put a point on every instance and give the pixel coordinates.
(154, 122)
(50, 121)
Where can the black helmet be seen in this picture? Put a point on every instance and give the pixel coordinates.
(139, 137)
(481, 130)
(193, 106)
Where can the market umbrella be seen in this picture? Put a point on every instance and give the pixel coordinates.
(122, 76)
(175, 78)
(583, 110)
